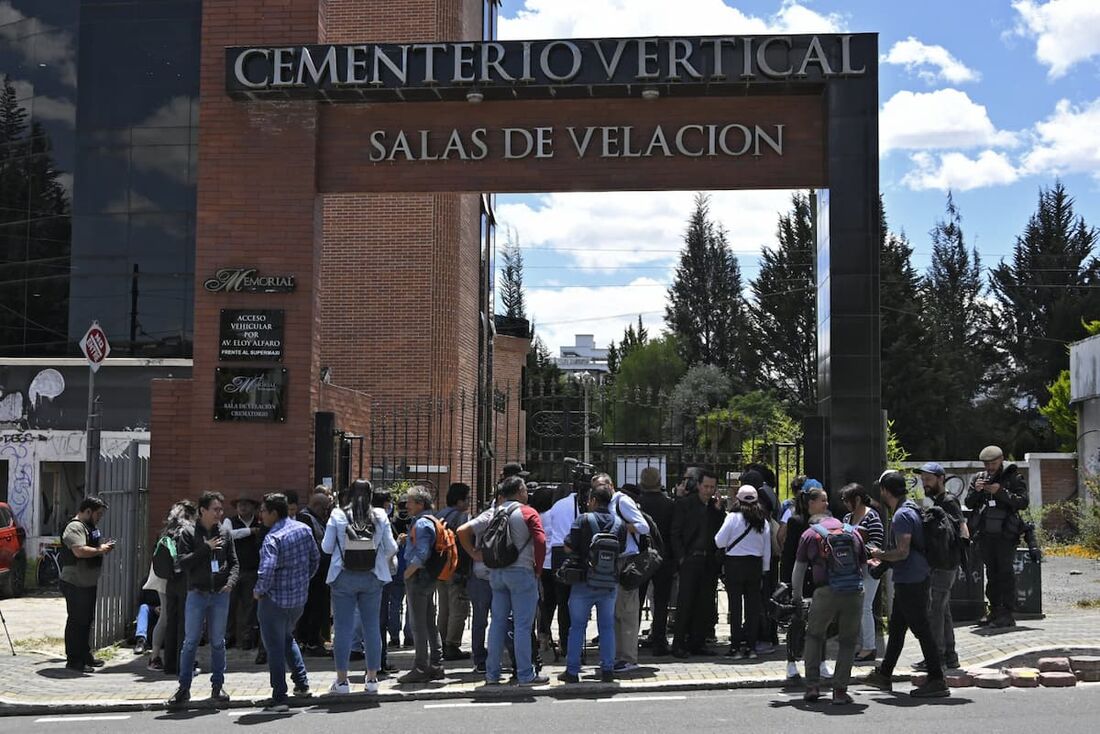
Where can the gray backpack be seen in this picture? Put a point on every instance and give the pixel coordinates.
(603, 554)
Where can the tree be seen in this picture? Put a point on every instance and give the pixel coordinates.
(541, 369)
(783, 325)
(751, 422)
(958, 322)
(706, 310)
(613, 359)
(1043, 295)
(908, 374)
(1061, 415)
(702, 388)
(512, 296)
(648, 372)
(632, 339)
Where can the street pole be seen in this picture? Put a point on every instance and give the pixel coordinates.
(90, 463)
(587, 447)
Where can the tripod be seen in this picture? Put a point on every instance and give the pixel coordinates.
(6, 632)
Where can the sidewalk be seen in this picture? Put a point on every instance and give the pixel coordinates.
(32, 682)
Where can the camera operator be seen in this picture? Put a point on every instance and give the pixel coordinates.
(910, 608)
(996, 497)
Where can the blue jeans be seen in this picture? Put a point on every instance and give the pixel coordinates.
(277, 632)
(213, 609)
(481, 600)
(582, 598)
(351, 591)
(142, 627)
(515, 592)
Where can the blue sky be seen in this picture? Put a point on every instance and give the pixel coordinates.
(990, 98)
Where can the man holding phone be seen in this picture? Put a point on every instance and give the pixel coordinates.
(82, 561)
(996, 497)
(206, 554)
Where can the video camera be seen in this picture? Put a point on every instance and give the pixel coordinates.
(580, 474)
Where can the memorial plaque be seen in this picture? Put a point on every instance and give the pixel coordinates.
(251, 335)
(250, 394)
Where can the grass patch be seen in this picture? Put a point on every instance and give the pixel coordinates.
(1075, 550)
(40, 643)
(1088, 604)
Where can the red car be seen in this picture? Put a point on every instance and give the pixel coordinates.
(13, 554)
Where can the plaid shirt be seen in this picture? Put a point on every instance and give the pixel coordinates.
(288, 560)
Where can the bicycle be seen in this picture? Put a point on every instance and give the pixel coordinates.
(49, 566)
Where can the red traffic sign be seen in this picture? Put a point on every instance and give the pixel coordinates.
(95, 346)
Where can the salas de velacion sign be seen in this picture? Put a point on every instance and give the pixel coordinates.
(412, 71)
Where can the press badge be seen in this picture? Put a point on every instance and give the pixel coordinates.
(992, 503)
(214, 565)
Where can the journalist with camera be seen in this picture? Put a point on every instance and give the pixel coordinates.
(996, 498)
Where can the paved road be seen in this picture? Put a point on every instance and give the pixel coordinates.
(969, 711)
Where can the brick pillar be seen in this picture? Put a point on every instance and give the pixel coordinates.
(257, 207)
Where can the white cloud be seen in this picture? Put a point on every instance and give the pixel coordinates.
(560, 314)
(945, 118)
(587, 19)
(1067, 141)
(917, 56)
(609, 230)
(1065, 31)
(958, 172)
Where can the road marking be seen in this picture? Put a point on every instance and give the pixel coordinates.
(627, 699)
(62, 719)
(465, 705)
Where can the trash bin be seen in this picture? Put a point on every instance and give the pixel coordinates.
(1029, 585)
(968, 593)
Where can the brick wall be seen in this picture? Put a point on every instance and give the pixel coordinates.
(170, 447)
(1059, 479)
(509, 427)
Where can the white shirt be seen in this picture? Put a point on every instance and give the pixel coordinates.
(627, 509)
(557, 522)
(336, 533)
(757, 543)
(238, 533)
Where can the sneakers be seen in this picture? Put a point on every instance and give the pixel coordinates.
(179, 699)
(736, 653)
(1003, 621)
(792, 671)
(371, 686)
(841, 697)
(568, 677)
(99, 662)
(219, 696)
(538, 680)
(437, 673)
(453, 652)
(78, 668)
(140, 646)
(301, 690)
(932, 688)
(920, 666)
(155, 664)
(752, 655)
(276, 706)
(625, 667)
(339, 688)
(479, 668)
(877, 679)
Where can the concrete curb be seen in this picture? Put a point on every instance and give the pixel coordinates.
(484, 693)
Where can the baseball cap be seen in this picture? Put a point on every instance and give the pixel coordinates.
(931, 467)
(513, 469)
(811, 484)
(991, 453)
(747, 493)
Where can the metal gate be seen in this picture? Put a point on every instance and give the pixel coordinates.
(124, 481)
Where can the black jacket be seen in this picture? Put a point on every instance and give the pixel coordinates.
(194, 557)
(693, 528)
(998, 514)
(660, 507)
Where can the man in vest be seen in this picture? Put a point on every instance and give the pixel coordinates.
(997, 496)
(247, 533)
(84, 551)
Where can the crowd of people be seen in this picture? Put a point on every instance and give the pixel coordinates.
(538, 561)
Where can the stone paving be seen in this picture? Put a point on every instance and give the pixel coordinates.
(33, 681)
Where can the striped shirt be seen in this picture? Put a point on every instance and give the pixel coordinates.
(288, 559)
(873, 531)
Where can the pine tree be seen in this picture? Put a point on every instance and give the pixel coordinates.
(908, 372)
(958, 320)
(512, 296)
(613, 359)
(784, 297)
(706, 310)
(632, 339)
(1043, 295)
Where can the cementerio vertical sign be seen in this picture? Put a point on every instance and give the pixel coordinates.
(510, 69)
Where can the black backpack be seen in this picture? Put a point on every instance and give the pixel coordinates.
(498, 548)
(941, 538)
(164, 558)
(360, 548)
